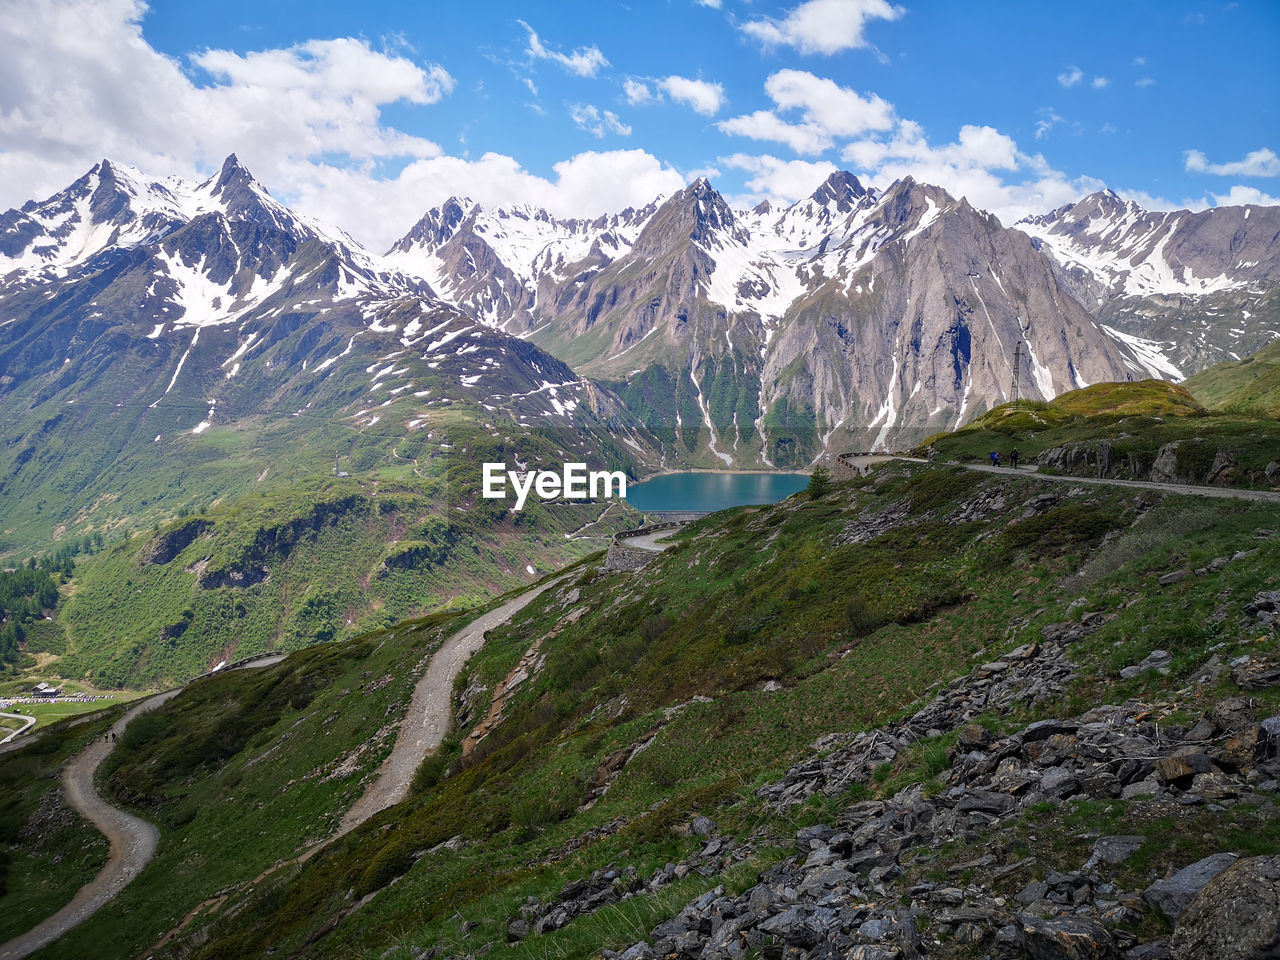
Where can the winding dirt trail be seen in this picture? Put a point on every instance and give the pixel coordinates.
(133, 840)
(428, 718)
(27, 724)
(649, 541)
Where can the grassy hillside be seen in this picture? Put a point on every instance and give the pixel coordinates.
(1135, 431)
(313, 561)
(1249, 385)
(657, 696)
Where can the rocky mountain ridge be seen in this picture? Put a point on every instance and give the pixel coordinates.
(1201, 285)
(765, 336)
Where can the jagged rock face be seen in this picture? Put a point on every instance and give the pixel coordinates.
(1200, 286)
(854, 317)
(920, 334)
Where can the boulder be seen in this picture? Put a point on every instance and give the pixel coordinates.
(1242, 750)
(1236, 916)
(1044, 729)
(702, 826)
(1256, 674)
(1157, 660)
(1113, 850)
(985, 801)
(1181, 768)
(1059, 782)
(1065, 938)
(1172, 895)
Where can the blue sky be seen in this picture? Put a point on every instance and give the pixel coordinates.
(367, 114)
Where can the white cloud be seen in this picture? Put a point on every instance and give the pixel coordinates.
(836, 109)
(597, 122)
(1239, 195)
(1258, 163)
(704, 97)
(827, 110)
(778, 180)
(1139, 61)
(1047, 121)
(381, 211)
(822, 26)
(1071, 77)
(585, 61)
(637, 92)
(1144, 82)
(767, 125)
(713, 4)
(977, 165)
(1100, 83)
(78, 82)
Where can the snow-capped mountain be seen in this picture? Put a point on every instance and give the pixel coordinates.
(1202, 285)
(493, 264)
(763, 336)
(213, 276)
(146, 323)
(854, 317)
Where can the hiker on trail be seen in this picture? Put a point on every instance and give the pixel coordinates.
(1013, 458)
(992, 457)
(996, 458)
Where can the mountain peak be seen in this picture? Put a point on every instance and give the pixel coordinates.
(841, 188)
(233, 176)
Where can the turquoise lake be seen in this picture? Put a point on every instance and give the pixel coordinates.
(712, 491)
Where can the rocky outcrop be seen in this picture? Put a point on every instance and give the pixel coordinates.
(165, 546)
(845, 891)
(627, 558)
(1090, 458)
(1234, 916)
(1182, 461)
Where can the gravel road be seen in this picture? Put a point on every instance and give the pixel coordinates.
(1227, 493)
(133, 841)
(649, 541)
(27, 724)
(429, 714)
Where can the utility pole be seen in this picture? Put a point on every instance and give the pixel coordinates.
(1015, 394)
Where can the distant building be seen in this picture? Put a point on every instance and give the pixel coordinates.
(43, 689)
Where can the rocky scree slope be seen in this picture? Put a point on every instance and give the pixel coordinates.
(865, 885)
